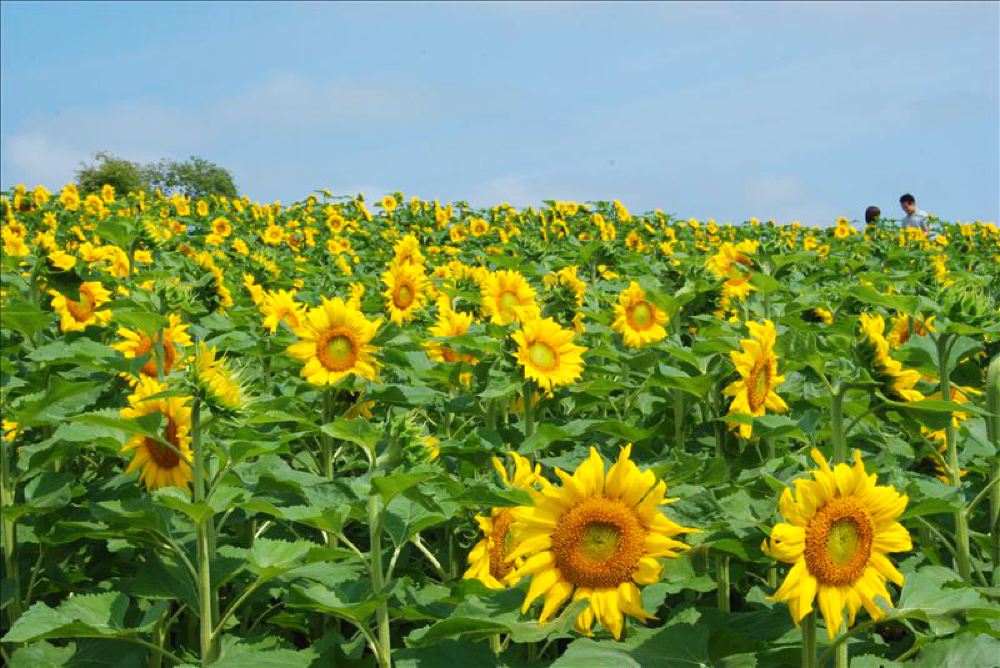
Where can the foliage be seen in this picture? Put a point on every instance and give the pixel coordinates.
(330, 517)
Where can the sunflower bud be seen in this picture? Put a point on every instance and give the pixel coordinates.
(969, 304)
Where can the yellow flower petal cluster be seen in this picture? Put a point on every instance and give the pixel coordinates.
(840, 527)
(548, 354)
(165, 462)
(637, 319)
(756, 362)
(335, 342)
(598, 537)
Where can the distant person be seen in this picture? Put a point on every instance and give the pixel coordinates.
(872, 214)
(914, 217)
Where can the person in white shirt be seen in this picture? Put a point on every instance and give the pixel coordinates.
(914, 217)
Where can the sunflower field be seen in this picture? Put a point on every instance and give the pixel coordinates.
(403, 433)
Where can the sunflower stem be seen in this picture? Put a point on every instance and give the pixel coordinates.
(955, 472)
(808, 628)
(10, 563)
(837, 425)
(678, 419)
(840, 657)
(993, 430)
(378, 583)
(529, 409)
(495, 644)
(204, 528)
(722, 581)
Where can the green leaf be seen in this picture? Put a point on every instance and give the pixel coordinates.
(25, 317)
(676, 645)
(358, 431)
(79, 616)
(960, 652)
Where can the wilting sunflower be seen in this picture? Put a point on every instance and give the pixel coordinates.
(140, 344)
(596, 538)
(278, 306)
(840, 528)
(335, 342)
(77, 315)
(638, 320)
(220, 385)
(507, 298)
(405, 291)
(895, 382)
(162, 466)
(547, 353)
(488, 559)
(757, 364)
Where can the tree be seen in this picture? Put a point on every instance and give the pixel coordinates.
(195, 177)
(124, 175)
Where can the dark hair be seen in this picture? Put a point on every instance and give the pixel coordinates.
(907, 199)
(872, 214)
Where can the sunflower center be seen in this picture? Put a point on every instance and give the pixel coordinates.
(759, 383)
(404, 296)
(337, 350)
(642, 316)
(542, 355)
(508, 302)
(82, 310)
(165, 457)
(839, 542)
(598, 543)
(500, 543)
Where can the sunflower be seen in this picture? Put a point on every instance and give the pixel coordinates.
(335, 342)
(478, 227)
(840, 528)
(818, 314)
(273, 235)
(278, 306)
(507, 297)
(638, 320)
(758, 368)
(405, 291)
(137, 344)
(449, 323)
(407, 251)
(895, 382)
(548, 354)
(732, 259)
(77, 315)
(220, 385)
(162, 465)
(596, 538)
(488, 559)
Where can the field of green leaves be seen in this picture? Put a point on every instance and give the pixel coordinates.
(402, 433)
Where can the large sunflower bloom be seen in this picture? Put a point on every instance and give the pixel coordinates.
(840, 528)
(548, 354)
(598, 537)
(405, 291)
(162, 466)
(757, 365)
(77, 315)
(335, 342)
(488, 559)
(137, 344)
(638, 320)
(507, 298)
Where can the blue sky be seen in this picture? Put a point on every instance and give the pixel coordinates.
(791, 111)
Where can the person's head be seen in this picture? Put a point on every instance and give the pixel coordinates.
(909, 203)
(872, 214)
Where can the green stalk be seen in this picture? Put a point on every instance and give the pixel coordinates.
(961, 522)
(206, 594)
(993, 429)
(529, 409)
(378, 582)
(722, 582)
(808, 629)
(678, 419)
(837, 425)
(10, 564)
